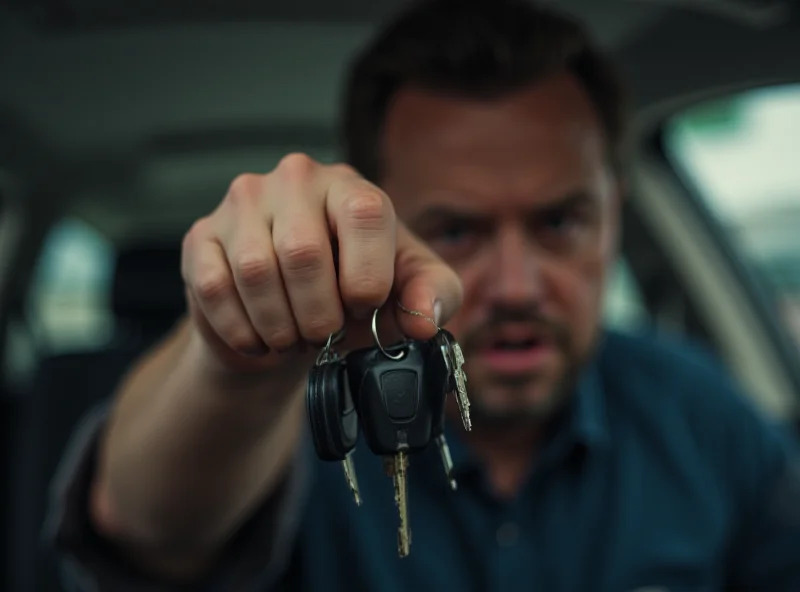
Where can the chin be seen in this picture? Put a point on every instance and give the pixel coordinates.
(515, 403)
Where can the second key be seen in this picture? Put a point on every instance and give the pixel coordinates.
(399, 393)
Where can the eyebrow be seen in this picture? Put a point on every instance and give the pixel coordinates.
(573, 199)
(439, 213)
(443, 213)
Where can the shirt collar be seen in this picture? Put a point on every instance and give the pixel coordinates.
(584, 426)
(589, 421)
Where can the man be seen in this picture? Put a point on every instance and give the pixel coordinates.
(597, 462)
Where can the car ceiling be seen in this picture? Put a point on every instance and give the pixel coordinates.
(136, 114)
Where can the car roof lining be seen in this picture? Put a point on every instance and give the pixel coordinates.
(132, 147)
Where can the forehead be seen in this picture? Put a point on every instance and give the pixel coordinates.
(534, 144)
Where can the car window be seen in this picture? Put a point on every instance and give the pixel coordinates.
(68, 306)
(623, 305)
(740, 153)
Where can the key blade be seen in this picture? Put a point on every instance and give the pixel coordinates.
(462, 400)
(447, 460)
(350, 476)
(454, 358)
(397, 467)
(457, 354)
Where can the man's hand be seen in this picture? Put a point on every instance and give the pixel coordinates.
(285, 260)
(299, 253)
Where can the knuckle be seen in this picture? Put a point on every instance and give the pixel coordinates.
(343, 169)
(188, 248)
(211, 286)
(198, 227)
(300, 255)
(243, 188)
(368, 208)
(296, 166)
(196, 230)
(254, 270)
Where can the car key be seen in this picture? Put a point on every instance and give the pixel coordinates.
(396, 467)
(399, 393)
(332, 414)
(454, 359)
(444, 449)
(437, 422)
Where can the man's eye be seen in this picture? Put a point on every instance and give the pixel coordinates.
(562, 232)
(453, 233)
(561, 222)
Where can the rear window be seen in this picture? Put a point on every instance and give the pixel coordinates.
(68, 305)
(740, 152)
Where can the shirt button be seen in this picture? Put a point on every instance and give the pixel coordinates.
(508, 534)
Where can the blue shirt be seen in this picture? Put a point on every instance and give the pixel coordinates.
(661, 476)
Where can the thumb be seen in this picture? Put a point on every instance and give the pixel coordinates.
(424, 285)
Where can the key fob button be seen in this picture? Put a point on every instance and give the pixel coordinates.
(400, 394)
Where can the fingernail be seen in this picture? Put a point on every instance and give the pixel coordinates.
(437, 311)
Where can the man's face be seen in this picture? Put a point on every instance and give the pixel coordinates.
(517, 196)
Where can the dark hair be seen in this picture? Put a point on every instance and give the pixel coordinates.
(473, 48)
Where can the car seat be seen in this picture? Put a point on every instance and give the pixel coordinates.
(147, 299)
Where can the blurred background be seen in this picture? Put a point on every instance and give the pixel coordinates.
(121, 122)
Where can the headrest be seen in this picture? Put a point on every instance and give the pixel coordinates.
(148, 285)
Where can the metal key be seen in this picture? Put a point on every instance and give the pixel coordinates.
(399, 393)
(447, 460)
(441, 390)
(397, 468)
(350, 477)
(390, 389)
(454, 358)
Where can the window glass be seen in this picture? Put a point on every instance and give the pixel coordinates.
(624, 308)
(68, 306)
(741, 152)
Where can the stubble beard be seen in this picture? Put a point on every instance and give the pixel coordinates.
(536, 414)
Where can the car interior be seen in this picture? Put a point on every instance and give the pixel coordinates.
(122, 122)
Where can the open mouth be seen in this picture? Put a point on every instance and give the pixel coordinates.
(517, 351)
(516, 344)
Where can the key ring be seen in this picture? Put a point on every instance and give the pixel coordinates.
(396, 357)
(407, 311)
(416, 313)
(326, 354)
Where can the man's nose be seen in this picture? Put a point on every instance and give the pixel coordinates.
(516, 275)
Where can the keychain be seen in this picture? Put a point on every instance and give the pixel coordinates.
(396, 396)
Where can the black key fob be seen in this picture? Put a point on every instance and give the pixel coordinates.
(400, 402)
(331, 413)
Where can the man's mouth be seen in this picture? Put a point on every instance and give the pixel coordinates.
(517, 350)
(516, 345)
